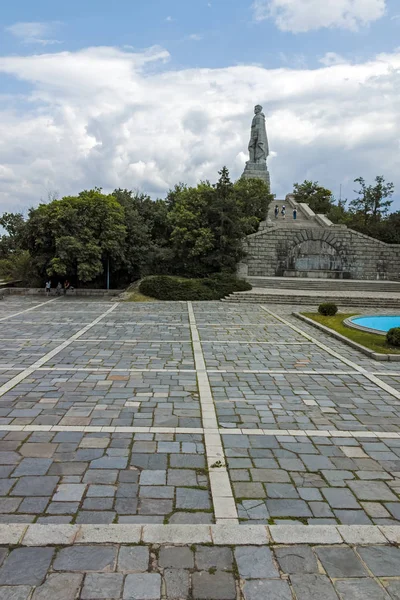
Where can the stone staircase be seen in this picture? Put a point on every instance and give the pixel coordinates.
(299, 291)
(305, 216)
(376, 303)
(325, 285)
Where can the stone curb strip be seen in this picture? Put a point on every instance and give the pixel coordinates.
(238, 535)
(278, 433)
(221, 491)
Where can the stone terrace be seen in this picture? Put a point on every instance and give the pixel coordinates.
(138, 443)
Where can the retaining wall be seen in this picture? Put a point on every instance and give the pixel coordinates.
(74, 292)
(276, 250)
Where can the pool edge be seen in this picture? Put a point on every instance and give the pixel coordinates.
(349, 323)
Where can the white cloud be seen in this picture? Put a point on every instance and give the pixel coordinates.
(34, 32)
(306, 15)
(169, 19)
(196, 37)
(107, 117)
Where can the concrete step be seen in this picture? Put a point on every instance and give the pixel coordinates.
(288, 221)
(304, 283)
(248, 298)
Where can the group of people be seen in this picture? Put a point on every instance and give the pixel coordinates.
(283, 212)
(60, 287)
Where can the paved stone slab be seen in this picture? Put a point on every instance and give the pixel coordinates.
(133, 558)
(62, 586)
(192, 499)
(178, 558)
(102, 585)
(360, 589)
(254, 562)
(18, 592)
(86, 558)
(288, 508)
(26, 566)
(313, 587)
(393, 587)
(383, 561)
(142, 586)
(372, 490)
(218, 586)
(177, 583)
(261, 589)
(296, 559)
(213, 558)
(340, 498)
(35, 486)
(341, 562)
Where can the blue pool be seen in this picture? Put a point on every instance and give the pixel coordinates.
(381, 324)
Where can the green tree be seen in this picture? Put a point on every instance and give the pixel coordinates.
(372, 203)
(209, 223)
(12, 241)
(19, 267)
(319, 199)
(192, 238)
(74, 237)
(146, 234)
(390, 232)
(254, 198)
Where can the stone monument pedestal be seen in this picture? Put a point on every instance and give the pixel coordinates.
(257, 171)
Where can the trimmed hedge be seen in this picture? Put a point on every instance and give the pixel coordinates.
(393, 337)
(215, 287)
(328, 309)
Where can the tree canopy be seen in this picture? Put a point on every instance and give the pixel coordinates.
(193, 231)
(317, 197)
(75, 236)
(372, 200)
(368, 213)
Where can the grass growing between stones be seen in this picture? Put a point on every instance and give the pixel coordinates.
(372, 341)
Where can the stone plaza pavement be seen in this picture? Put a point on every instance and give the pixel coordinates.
(193, 450)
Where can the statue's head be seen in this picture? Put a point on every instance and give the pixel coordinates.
(258, 109)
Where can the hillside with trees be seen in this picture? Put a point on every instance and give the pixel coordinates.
(368, 213)
(193, 232)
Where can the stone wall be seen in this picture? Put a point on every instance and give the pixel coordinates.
(336, 251)
(15, 291)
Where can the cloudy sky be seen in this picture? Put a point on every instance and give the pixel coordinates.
(145, 94)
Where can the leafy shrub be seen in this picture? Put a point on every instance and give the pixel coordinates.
(164, 287)
(328, 309)
(393, 337)
(19, 267)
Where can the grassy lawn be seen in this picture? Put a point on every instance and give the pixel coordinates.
(372, 341)
(136, 296)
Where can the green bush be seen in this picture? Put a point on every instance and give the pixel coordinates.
(328, 309)
(19, 267)
(164, 287)
(393, 337)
